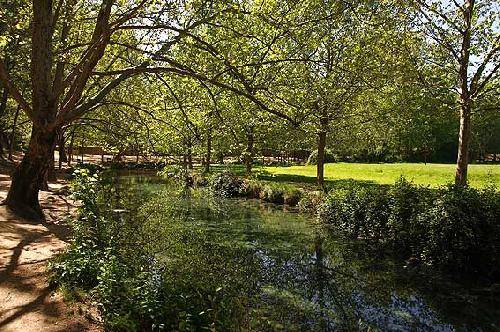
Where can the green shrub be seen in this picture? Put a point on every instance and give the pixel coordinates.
(272, 194)
(77, 267)
(455, 228)
(250, 189)
(172, 171)
(292, 196)
(90, 169)
(405, 232)
(199, 180)
(357, 213)
(464, 228)
(313, 157)
(310, 201)
(225, 184)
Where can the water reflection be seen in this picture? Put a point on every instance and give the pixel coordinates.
(285, 273)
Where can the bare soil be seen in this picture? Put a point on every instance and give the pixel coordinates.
(27, 301)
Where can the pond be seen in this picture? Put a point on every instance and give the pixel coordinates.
(270, 268)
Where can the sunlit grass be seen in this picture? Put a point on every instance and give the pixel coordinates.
(424, 174)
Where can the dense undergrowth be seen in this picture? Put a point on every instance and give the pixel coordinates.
(452, 228)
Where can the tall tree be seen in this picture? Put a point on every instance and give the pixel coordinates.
(75, 64)
(466, 35)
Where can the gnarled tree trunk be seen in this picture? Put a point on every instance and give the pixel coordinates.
(190, 155)
(29, 176)
(4, 140)
(13, 133)
(62, 148)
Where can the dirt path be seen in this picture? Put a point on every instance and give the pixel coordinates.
(27, 303)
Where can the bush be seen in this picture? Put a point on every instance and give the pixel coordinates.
(272, 194)
(137, 290)
(310, 201)
(226, 184)
(199, 180)
(455, 228)
(91, 169)
(405, 201)
(464, 230)
(250, 189)
(292, 196)
(313, 157)
(357, 213)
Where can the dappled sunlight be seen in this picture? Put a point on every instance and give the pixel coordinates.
(28, 302)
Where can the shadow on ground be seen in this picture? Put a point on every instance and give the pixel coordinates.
(27, 301)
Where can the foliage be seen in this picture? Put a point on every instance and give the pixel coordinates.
(454, 228)
(310, 201)
(358, 212)
(463, 230)
(133, 290)
(226, 184)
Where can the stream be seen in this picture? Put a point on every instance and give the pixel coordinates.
(286, 272)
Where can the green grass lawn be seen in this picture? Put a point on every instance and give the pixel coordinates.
(430, 174)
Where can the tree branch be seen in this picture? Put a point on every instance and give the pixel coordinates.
(14, 92)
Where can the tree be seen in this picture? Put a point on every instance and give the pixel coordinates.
(344, 55)
(75, 64)
(464, 34)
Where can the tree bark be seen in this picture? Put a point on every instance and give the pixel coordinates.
(463, 145)
(70, 150)
(190, 155)
(29, 176)
(3, 107)
(465, 99)
(320, 165)
(62, 149)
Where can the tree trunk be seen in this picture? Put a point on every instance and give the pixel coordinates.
(184, 162)
(465, 99)
(190, 155)
(320, 165)
(51, 172)
(70, 150)
(463, 145)
(249, 152)
(3, 136)
(4, 142)
(30, 174)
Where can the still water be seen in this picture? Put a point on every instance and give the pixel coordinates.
(284, 272)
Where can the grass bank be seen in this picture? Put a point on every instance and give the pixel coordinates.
(434, 175)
